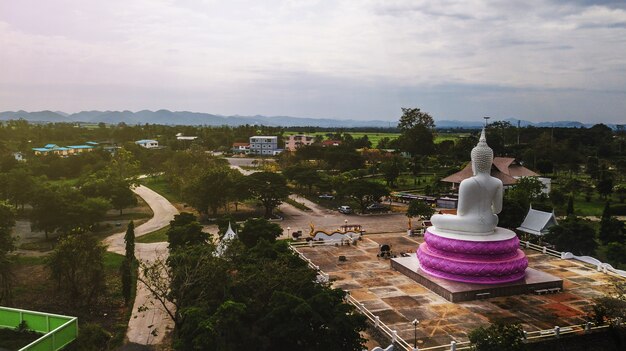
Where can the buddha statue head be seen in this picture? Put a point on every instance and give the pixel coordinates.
(482, 156)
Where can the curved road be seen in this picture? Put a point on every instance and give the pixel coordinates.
(151, 324)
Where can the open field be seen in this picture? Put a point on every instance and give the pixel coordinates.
(375, 137)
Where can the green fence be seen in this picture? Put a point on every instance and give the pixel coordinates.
(58, 330)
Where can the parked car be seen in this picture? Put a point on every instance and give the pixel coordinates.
(345, 209)
(377, 207)
(326, 197)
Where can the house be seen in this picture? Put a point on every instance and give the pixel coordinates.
(180, 136)
(77, 149)
(51, 149)
(507, 169)
(327, 143)
(264, 145)
(241, 148)
(295, 141)
(537, 222)
(148, 143)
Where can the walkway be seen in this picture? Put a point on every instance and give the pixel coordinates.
(149, 326)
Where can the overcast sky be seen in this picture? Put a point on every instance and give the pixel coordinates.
(540, 60)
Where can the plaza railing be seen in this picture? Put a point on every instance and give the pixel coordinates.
(454, 345)
(59, 331)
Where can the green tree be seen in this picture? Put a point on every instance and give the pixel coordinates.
(259, 229)
(498, 337)
(77, 267)
(419, 208)
(574, 235)
(185, 231)
(129, 240)
(417, 132)
(605, 184)
(127, 279)
(302, 175)
(364, 192)
(616, 253)
(268, 188)
(611, 229)
(216, 187)
(7, 221)
(570, 206)
(121, 196)
(526, 189)
(391, 170)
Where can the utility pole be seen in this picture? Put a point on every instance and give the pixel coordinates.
(486, 120)
(518, 126)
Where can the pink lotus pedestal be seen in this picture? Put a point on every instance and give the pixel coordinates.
(464, 270)
(490, 259)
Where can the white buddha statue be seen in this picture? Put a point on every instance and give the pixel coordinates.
(480, 198)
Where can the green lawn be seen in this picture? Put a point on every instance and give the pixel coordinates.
(375, 137)
(156, 236)
(160, 185)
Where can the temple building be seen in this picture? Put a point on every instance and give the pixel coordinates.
(507, 169)
(537, 222)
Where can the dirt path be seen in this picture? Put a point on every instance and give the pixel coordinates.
(151, 324)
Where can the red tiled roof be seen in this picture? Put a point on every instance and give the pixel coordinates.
(241, 144)
(504, 168)
(331, 142)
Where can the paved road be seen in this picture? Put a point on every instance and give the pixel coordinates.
(150, 326)
(325, 219)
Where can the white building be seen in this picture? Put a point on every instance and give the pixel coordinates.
(180, 136)
(538, 222)
(147, 143)
(264, 145)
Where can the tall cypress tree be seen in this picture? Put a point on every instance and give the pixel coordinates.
(125, 272)
(611, 229)
(570, 206)
(129, 239)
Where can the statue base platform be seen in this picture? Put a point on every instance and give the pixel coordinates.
(533, 281)
(494, 259)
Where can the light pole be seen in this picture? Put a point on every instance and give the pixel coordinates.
(415, 324)
(486, 120)
(288, 231)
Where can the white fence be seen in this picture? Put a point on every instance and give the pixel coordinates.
(599, 265)
(557, 331)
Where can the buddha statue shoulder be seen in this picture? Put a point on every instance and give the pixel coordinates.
(480, 198)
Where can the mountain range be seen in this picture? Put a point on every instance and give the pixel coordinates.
(196, 118)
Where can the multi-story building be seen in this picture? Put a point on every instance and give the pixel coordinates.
(295, 141)
(264, 145)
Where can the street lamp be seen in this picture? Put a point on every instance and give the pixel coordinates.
(486, 120)
(288, 231)
(415, 324)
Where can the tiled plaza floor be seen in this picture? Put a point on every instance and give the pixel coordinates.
(398, 300)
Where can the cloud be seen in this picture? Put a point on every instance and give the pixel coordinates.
(359, 59)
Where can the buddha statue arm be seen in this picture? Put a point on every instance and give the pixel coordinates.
(497, 201)
(463, 204)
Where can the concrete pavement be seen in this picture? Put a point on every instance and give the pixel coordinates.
(149, 322)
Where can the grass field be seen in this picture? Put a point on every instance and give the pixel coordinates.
(375, 137)
(157, 236)
(159, 184)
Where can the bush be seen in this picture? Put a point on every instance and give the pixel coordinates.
(618, 210)
(92, 337)
(497, 337)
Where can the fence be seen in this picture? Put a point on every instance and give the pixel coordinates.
(556, 332)
(58, 330)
